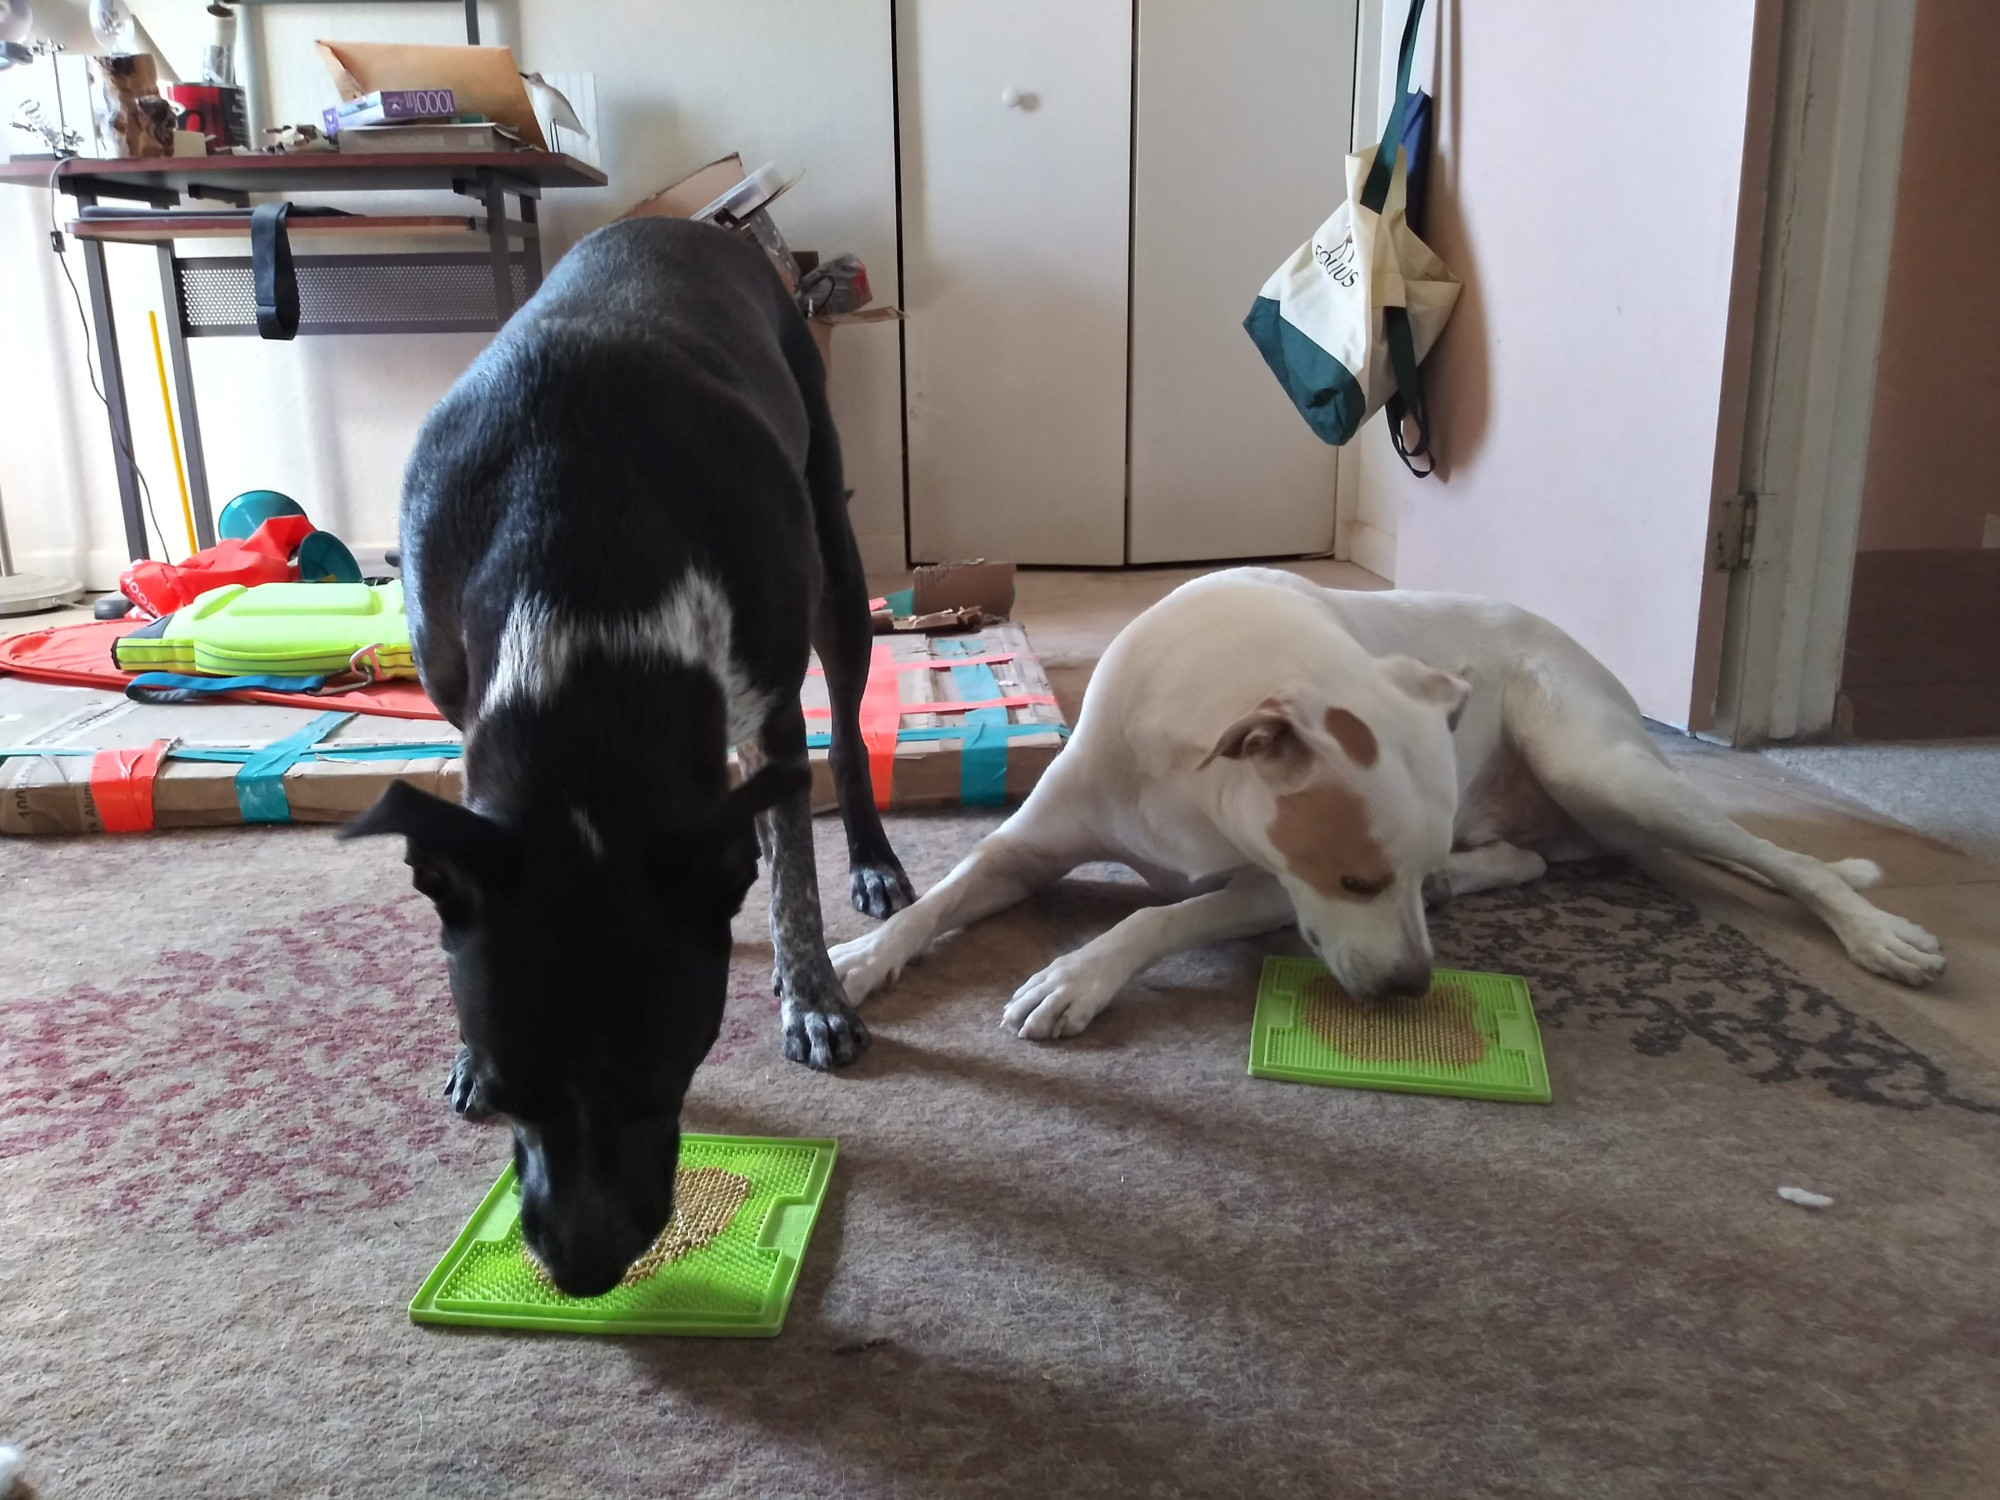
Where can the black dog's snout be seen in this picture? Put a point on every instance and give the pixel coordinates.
(588, 1227)
(585, 1257)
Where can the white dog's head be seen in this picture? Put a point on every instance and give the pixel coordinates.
(1352, 807)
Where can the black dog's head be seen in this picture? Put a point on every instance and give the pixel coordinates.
(589, 980)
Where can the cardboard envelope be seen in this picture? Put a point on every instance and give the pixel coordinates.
(483, 80)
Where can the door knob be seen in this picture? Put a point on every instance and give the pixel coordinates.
(1011, 98)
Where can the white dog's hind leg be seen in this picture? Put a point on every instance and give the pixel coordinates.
(1032, 849)
(1062, 999)
(1626, 796)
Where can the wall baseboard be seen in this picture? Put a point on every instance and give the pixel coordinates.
(96, 568)
(1374, 549)
(882, 552)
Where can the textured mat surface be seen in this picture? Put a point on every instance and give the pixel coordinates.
(1111, 1265)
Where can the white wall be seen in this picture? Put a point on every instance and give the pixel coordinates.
(330, 420)
(1586, 188)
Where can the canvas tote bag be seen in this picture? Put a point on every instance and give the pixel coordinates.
(1346, 321)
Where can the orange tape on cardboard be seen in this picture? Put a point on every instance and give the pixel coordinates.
(941, 706)
(121, 785)
(881, 718)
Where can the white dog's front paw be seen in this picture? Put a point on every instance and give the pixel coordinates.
(1061, 1000)
(865, 965)
(1888, 945)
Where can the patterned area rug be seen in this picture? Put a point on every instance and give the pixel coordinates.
(1114, 1265)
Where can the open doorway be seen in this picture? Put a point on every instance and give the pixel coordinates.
(1922, 654)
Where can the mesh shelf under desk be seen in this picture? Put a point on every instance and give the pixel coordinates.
(396, 293)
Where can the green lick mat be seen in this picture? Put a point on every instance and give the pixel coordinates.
(735, 1283)
(1473, 1035)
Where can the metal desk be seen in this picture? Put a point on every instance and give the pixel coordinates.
(212, 296)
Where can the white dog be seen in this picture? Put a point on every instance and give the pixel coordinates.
(1270, 751)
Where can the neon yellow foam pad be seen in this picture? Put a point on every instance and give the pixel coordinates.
(284, 628)
(1473, 1036)
(738, 1285)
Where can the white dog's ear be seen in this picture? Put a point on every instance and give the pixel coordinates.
(1265, 735)
(1427, 684)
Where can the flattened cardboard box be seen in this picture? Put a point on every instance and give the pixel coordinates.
(50, 794)
(928, 771)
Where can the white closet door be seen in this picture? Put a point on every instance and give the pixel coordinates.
(1242, 123)
(1015, 141)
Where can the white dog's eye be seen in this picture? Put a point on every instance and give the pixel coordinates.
(1355, 885)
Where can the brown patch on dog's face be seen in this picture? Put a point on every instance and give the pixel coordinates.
(1352, 735)
(1321, 830)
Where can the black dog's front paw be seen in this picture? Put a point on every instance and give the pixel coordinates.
(821, 1029)
(462, 1088)
(879, 889)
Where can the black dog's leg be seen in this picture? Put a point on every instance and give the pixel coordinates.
(876, 883)
(844, 638)
(821, 1029)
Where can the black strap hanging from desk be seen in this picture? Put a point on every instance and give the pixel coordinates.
(271, 264)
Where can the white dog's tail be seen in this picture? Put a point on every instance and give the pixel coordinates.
(1858, 873)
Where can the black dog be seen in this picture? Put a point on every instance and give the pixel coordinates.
(621, 531)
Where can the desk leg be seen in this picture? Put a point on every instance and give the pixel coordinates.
(177, 357)
(531, 245)
(495, 198)
(114, 397)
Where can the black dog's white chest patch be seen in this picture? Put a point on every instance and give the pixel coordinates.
(692, 627)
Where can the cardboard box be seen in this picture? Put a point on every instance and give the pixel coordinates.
(929, 765)
(702, 189)
(483, 80)
(978, 584)
(51, 792)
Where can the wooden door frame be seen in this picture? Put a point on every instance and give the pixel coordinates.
(1823, 274)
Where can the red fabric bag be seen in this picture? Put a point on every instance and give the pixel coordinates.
(265, 556)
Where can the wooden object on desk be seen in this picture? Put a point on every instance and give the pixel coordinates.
(131, 117)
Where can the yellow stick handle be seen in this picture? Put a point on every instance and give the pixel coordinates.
(173, 434)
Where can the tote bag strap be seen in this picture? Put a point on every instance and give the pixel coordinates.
(1375, 191)
(1408, 402)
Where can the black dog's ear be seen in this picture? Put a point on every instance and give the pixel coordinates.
(453, 852)
(765, 790)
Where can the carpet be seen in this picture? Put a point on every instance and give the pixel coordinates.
(1949, 789)
(1110, 1266)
